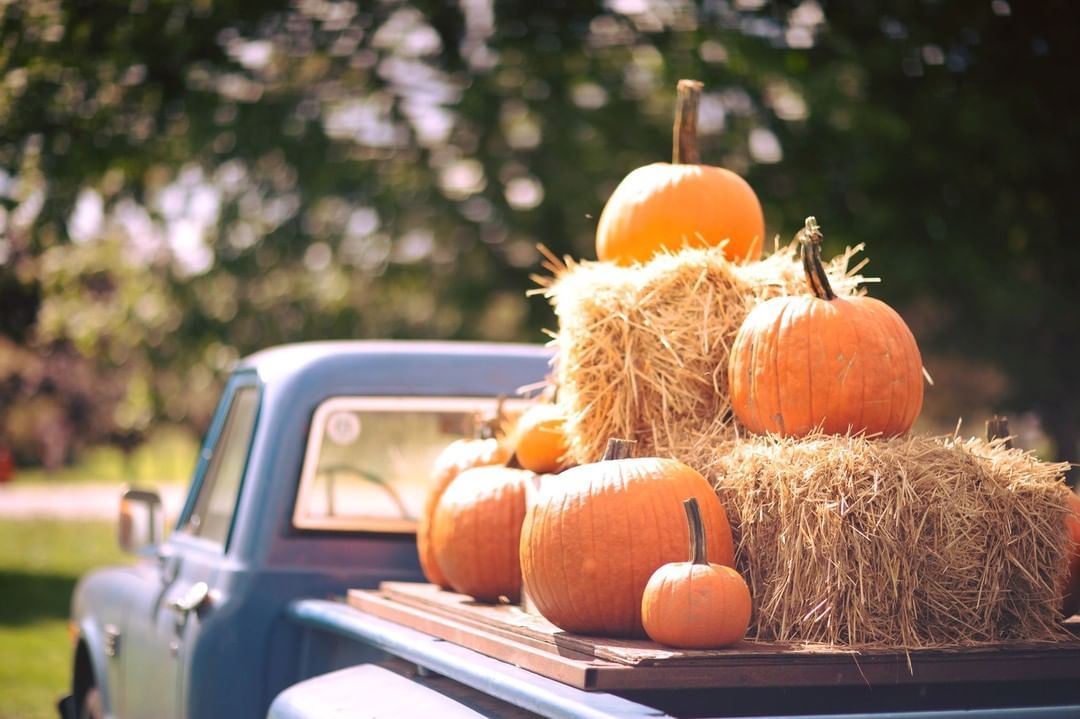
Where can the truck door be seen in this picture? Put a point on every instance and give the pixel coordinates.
(191, 563)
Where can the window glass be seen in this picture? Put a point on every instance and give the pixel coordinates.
(369, 460)
(212, 514)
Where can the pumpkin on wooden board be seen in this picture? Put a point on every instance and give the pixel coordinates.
(695, 604)
(540, 443)
(476, 530)
(592, 539)
(458, 456)
(819, 361)
(665, 206)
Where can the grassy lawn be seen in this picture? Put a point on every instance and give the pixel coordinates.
(40, 561)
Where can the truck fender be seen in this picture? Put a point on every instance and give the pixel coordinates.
(92, 639)
(367, 690)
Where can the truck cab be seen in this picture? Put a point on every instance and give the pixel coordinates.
(308, 483)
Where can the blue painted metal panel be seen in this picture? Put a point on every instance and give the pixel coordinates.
(366, 690)
(90, 633)
(107, 598)
(511, 684)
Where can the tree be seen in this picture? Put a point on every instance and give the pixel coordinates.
(186, 182)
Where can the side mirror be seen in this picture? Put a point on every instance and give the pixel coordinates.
(142, 520)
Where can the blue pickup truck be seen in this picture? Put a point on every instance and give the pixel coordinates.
(307, 486)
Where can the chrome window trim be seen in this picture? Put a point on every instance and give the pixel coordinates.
(388, 404)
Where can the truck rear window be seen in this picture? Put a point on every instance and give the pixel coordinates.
(368, 461)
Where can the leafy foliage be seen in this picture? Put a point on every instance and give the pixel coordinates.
(185, 182)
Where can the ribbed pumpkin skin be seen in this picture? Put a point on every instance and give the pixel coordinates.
(665, 205)
(456, 458)
(850, 363)
(599, 531)
(540, 443)
(696, 606)
(476, 531)
(1071, 600)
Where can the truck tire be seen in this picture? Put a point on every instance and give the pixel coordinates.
(91, 705)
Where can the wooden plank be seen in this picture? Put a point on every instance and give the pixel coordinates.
(539, 632)
(573, 670)
(504, 619)
(511, 622)
(751, 653)
(506, 633)
(533, 629)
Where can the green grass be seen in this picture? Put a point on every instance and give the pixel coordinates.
(40, 561)
(168, 455)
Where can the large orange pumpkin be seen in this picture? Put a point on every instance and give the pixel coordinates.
(821, 361)
(695, 604)
(684, 203)
(594, 537)
(476, 531)
(1071, 600)
(458, 456)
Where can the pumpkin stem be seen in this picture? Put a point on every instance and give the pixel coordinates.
(684, 146)
(810, 238)
(697, 531)
(998, 428)
(618, 449)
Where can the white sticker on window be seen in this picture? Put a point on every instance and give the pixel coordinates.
(343, 427)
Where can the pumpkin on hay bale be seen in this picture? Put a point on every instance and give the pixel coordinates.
(910, 542)
(672, 205)
(844, 365)
(643, 350)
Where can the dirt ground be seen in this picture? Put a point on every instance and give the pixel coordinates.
(82, 500)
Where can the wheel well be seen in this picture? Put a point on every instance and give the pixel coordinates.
(83, 678)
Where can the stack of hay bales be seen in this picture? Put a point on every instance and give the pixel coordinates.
(909, 542)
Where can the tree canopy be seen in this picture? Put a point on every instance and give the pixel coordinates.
(183, 182)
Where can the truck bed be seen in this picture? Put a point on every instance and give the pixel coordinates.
(528, 640)
(457, 640)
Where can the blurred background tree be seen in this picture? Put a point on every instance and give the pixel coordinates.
(184, 182)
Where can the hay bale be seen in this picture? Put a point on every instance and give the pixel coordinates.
(643, 350)
(911, 542)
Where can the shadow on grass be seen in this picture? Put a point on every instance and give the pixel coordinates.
(30, 597)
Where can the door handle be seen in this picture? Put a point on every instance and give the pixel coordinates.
(195, 598)
(111, 637)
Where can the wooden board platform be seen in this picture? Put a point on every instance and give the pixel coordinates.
(507, 633)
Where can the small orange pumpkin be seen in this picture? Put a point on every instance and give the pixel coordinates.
(668, 206)
(821, 361)
(540, 439)
(592, 539)
(458, 456)
(476, 531)
(695, 604)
